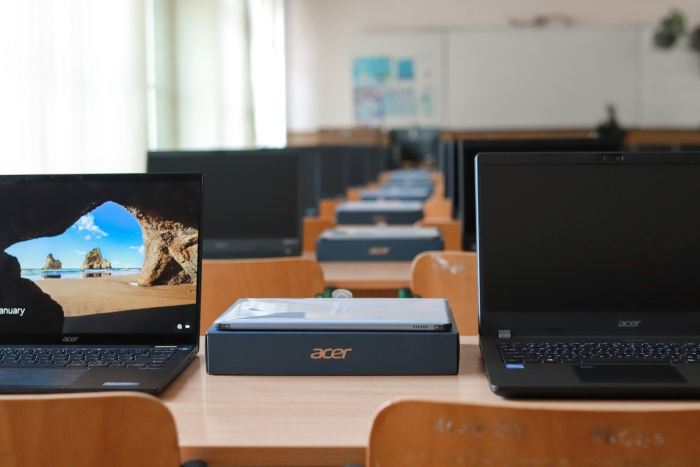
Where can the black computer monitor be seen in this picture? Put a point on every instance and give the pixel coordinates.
(467, 150)
(381, 161)
(357, 173)
(252, 199)
(416, 144)
(441, 157)
(334, 178)
(448, 164)
(310, 179)
(373, 159)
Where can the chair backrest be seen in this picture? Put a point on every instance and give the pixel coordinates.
(105, 430)
(312, 228)
(326, 208)
(431, 433)
(353, 194)
(225, 281)
(450, 229)
(450, 275)
(439, 207)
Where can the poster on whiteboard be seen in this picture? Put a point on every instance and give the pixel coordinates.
(387, 90)
(396, 79)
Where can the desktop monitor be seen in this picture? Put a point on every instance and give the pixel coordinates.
(357, 173)
(447, 168)
(416, 144)
(251, 199)
(467, 150)
(373, 162)
(309, 179)
(334, 178)
(380, 161)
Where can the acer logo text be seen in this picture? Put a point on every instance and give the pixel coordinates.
(70, 339)
(379, 251)
(629, 324)
(330, 354)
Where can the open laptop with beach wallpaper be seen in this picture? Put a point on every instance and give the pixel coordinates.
(106, 260)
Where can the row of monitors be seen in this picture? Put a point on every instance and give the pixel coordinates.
(254, 200)
(417, 145)
(456, 162)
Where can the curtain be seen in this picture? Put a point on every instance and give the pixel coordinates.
(87, 86)
(217, 78)
(267, 71)
(72, 86)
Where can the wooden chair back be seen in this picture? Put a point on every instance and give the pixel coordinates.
(438, 207)
(450, 275)
(353, 194)
(106, 430)
(450, 229)
(430, 433)
(326, 208)
(225, 281)
(312, 227)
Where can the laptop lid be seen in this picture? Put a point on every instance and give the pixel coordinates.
(589, 243)
(316, 314)
(382, 232)
(100, 259)
(464, 168)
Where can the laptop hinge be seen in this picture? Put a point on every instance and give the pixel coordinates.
(504, 334)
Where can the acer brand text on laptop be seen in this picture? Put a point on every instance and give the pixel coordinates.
(99, 281)
(589, 277)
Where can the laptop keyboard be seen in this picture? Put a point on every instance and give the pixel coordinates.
(88, 357)
(514, 353)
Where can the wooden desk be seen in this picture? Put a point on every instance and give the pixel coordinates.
(367, 276)
(258, 420)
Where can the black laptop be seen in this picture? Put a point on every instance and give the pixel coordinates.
(589, 273)
(99, 281)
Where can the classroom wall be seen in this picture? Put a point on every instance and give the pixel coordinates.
(321, 33)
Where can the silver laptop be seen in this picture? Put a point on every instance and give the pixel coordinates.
(338, 314)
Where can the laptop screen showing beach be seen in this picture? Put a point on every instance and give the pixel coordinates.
(99, 254)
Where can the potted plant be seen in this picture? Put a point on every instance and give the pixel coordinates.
(673, 29)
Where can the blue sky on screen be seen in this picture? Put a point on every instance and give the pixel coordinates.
(109, 227)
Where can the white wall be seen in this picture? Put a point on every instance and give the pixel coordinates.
(321, 33)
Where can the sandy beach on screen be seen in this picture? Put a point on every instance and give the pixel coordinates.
(92, 295)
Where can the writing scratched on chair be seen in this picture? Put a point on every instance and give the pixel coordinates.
(498, 430)
(627, 438)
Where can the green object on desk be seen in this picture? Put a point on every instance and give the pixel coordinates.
(406, 293)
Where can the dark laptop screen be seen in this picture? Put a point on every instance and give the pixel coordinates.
(93, 255)
(464, 160)
(589, 235)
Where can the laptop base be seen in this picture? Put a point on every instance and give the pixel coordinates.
(571, 380)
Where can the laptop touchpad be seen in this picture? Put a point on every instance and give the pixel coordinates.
(39, 378)
(628, 374)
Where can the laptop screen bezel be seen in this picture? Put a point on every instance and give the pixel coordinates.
(149, 339)
(625, 324)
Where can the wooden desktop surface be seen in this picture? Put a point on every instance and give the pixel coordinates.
(367, 275)
(308, 420)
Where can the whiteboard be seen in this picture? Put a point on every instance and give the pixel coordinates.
(556, 78)
(670, 85)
